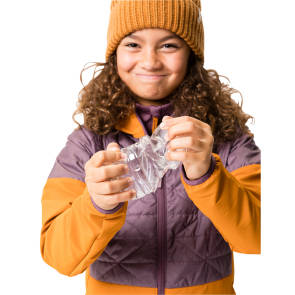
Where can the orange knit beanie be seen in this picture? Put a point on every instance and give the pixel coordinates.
(182, 17)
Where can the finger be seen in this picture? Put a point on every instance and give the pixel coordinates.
(165, 118)
(104, 157)
(118, 197)
(185, 129)
(103, 173)
(183, 156)
(185, 142)
(113, 146)
(173, 121)
(182, 119)
(111, 187)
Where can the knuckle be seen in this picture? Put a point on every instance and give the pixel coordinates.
(180, 156)
(170, 133)
(100, 156)
(191, 126)
(96, 192)
(191, 141)
(202, 144)
(114, 147)
(91, 189)
(87, 179)
(109, 187)
(171, 145)
(127, 195)
(115, 199)
(123, 169)
(86, 165)
(132, 193)
(90, 172)
(103, 173)
(124, 183)
(211, 140)
(208, 127)
(96, 188)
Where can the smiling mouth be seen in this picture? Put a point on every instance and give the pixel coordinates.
(151, 77)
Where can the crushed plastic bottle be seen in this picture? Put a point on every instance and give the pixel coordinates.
(147, 163)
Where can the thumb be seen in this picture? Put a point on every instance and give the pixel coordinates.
(113, 146)
(166, 118)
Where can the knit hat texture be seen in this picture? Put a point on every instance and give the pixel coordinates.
(182, 17)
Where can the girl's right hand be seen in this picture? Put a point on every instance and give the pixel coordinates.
(105, 191)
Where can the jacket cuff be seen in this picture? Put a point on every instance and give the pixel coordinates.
(201, 179)
(114, 210)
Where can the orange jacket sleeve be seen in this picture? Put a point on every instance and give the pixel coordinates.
(74, 232)
(231, 200)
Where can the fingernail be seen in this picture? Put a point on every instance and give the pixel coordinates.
(123, 156)
(163, 125)
(126, 168)
(167, 156)
(130, 180)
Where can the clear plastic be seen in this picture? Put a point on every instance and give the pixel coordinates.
(147, 163)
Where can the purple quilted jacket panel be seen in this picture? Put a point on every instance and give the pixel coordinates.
(164, 230)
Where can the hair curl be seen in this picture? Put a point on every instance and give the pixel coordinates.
(106, 101)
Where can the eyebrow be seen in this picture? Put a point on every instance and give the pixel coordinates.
(161, 40)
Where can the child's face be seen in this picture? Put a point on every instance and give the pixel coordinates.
(151, 67)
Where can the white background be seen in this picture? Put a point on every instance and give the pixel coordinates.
(45, 45)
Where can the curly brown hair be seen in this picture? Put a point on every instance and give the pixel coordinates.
(106, 101)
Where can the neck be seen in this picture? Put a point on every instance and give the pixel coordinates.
(147, 102)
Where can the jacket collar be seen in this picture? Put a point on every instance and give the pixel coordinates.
(135, 126)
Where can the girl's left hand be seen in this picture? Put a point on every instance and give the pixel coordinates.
(195, 141)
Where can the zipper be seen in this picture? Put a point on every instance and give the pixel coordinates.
(161, 227)
(162, 239)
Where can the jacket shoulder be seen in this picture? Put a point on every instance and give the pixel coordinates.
(80, 146)
(240, 152)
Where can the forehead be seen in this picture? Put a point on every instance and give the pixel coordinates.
(153, 33)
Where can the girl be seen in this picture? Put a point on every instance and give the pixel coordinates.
(180, 239)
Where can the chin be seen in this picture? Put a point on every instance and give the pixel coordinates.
(151, 96)
(148, 95)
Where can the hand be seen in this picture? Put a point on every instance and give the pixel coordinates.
(107, 192)
(191, 142)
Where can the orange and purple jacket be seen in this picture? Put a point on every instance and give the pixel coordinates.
(178, 240)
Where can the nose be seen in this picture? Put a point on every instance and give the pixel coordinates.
(150, 60)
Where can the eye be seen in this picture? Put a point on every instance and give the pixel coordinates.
(167, 45)
(131, 45)
(170, 45)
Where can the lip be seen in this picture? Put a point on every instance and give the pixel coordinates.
(151, 77)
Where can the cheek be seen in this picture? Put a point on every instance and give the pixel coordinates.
(178, 65)
(125, 62)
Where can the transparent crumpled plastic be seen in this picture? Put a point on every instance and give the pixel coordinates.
(147, 163)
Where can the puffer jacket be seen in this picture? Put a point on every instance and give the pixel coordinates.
(178, 240)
